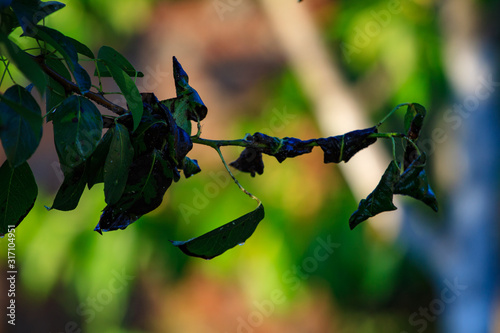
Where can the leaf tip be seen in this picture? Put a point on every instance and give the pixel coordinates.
(354, 221)
(433, 204)
(175, 243)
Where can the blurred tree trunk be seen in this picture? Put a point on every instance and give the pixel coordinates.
(464, 247)
(337, 109)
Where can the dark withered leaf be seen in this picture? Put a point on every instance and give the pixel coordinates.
(195, 109)
(270, 144)
(344, 147)
(190, 167)
(414, 120)
(410, 155)
(280, 148)
(157, 143)
(183, 145)
(149, 178)
(151, 134)
(380, 200)
(250, 160)
(292, 147)
(414, 183)
(172, 139)
(155, 108)
(331, 146)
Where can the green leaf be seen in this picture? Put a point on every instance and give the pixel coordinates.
(71, 189)
(33, 119)
(380, 200)
(65, 47)
(113, 56)
(21, 120)
(58, 66)
(98, 159)
(218, 241)
(414, 183)
(81, 48)
(8, 21)
(18, 194)
(180, 108)
(29, 13)
(55, 93)
(148, 180)
(24, 63)
(77, 130)
(197, 109)
(127, 87)
(117, 164)
(414, 119)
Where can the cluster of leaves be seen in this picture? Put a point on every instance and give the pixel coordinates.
(411, 180)
(336, 148)
(145, 146)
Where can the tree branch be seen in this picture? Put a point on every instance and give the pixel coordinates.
(72, 87)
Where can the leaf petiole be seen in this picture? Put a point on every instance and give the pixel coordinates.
(234, 178)
(390, 113)
(6, 63)
(396, 135)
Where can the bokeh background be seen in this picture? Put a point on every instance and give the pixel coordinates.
(311, 69)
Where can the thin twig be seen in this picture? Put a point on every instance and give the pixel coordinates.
(69, 86)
